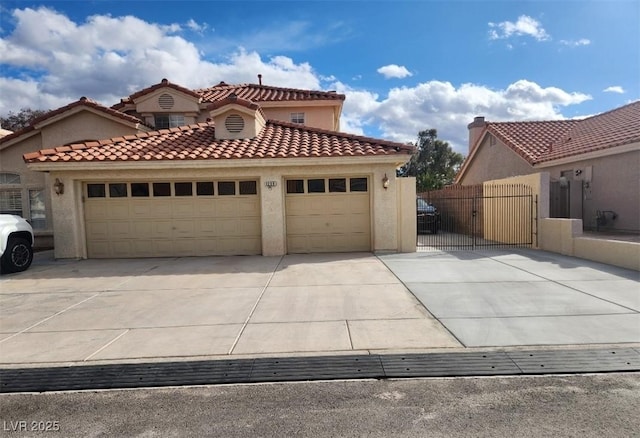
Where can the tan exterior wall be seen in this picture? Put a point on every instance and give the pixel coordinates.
(605, 183)
(11, 162)
(565, 236)
(407, 221)
(317, 117)
(386, 226)
(495, 162)
(84, 125)
(181, 103)
(77, 127)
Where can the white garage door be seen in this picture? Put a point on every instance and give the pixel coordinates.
(178, 218)
(328, 215)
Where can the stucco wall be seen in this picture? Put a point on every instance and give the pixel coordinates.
(317, 117)
(565, 236)
(407, 220)
(494, 162)
(385, 228)
(611, 183)
(84, 125)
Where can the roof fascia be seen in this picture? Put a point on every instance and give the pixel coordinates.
(396, 160)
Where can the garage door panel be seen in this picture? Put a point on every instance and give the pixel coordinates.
(173, 226)
(330, 222)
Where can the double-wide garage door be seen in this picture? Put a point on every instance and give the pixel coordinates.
(328, 215)
(176, 218)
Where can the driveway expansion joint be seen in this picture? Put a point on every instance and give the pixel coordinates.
(288, 369)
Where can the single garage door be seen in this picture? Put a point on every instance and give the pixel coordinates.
(328, 215)
(176, 218)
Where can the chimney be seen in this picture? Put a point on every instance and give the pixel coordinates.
(259, 79)
(475, 130)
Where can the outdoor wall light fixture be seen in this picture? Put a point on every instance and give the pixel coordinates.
(270, 184)
(58, 186)
(385, 182)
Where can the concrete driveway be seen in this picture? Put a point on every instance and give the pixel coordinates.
(497, 298)
(231, 307)
(116, 310)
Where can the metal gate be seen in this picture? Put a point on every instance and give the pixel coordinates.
(467, 217)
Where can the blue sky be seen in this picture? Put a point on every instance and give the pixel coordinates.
(404, 65)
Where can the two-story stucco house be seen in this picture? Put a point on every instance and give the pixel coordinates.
(230, 169)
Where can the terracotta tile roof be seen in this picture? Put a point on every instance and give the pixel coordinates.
(614, 128)
(233, 99)
(197, 142)
(530, 140)
(83, 101)
(264, 93)
(538, 142)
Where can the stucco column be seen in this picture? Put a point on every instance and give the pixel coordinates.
(273, 211)
(385, 214)
(68, 226)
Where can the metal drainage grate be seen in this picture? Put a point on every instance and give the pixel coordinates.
(317, 368)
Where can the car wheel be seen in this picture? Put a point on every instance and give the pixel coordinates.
(18, 256)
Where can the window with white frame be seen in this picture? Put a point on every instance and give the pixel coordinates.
(164, 121)
(23, 201)
(297, 118)
(10, 194)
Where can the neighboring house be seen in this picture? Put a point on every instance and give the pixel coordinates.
(231, 169)
(164, 105)
(26, 193)
(594, 163)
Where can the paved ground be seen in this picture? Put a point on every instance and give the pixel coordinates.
(524, 297)
(95, 310)
(220, 307)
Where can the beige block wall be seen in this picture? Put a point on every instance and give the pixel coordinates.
(386, 228)
(564, 236)
(500, 222)
(407, 220)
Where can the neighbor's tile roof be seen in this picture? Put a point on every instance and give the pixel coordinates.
(538, 142)
(264, 93)
(197, 142)
(530, 140)
(614, 128)
(83, 101)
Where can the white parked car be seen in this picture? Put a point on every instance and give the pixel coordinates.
(16, 244)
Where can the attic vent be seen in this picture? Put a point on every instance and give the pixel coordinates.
(234, 123)
(165, 101)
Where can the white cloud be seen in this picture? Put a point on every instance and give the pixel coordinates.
(524, 26)
(394, 71)
(436, 104)
(61, 60)
(106, 58)
(576, 43)
(614, 89)
(197, 27)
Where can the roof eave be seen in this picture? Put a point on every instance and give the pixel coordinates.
(395, 159)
